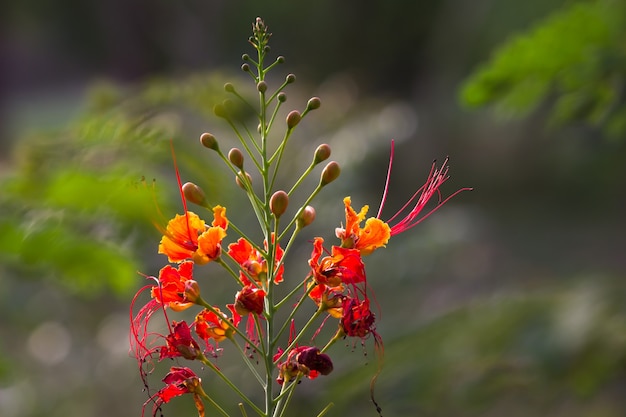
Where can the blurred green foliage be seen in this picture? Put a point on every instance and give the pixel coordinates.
(80, 201)
(574, 62)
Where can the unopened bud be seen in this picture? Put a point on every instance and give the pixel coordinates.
(192, 291)
(278, 203)
(280, 59)
(306, 217)
(261, 86)
(322, 153)
(236, 157)
(312, 358)
(209, 141)
(229, 88)
(330, 173)
(245, 57)
(194, 194)
(293, 118)
(282, 97)
(220, 111)
(290, 78)
(313, 103)
(245, 68)
(239, 179)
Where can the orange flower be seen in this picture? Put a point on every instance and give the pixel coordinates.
(187, 237)
(344, 265)
(211, 326)
(373, 235)
(173, 283)
(253, 262)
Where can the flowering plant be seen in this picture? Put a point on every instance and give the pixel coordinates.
(274, 350)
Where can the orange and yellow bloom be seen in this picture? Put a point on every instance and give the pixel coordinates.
(187, 237)
(213, 326)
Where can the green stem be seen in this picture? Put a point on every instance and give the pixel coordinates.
(232, 386)
(295, 340)
(214, 404)
(301, 209)
(248, 363)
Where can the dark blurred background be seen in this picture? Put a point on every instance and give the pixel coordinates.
(508, 301)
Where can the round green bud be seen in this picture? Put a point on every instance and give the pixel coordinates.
(291, 78)
(194, 194)
(192, 291)
(280, 59)
(330, 173)
(322, 153)
(245, 68)
(235, 156)
(313, 103)
(306, 217)
(293, 118)
(261, 86)
(266, 49)
(220, 111)
(245, 57)
(278, 203)
(229, 88)
(282, 97)
(208, 141)
(239, 179)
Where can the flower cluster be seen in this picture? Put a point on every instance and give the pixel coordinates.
(335, 288)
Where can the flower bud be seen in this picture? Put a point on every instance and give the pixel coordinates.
(229, 88)
(194, 194)
(282, 97)
(330, 173)
(245, 68)
(312, 358)
(236, 157)
(306, 217)
(313, 103)
(209, 141)
(293, 118)
(261, 86)
(239, 179)
(322, 153)
(290, 78)
(280, 59)
(220, 111)
(249, 300)
(192, 291)
(245, 57)
(279, 202)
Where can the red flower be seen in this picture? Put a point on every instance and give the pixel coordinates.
(418, 201)
(357, 320)
(343, 266)
(253, 262)
(249, 300)
(305, 360)
(179, 381)
(180, 343)
(174, 286)
(329, 299)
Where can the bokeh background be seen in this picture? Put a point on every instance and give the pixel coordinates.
(509, 301)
